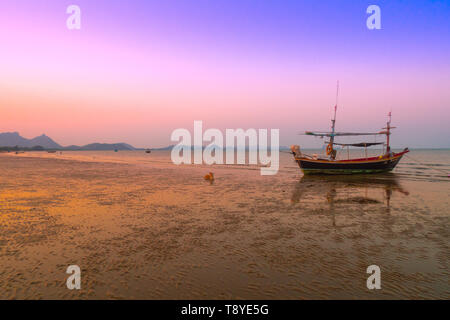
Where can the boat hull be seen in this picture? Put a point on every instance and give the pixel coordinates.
(357, 166)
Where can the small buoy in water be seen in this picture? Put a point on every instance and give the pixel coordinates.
(209, 177)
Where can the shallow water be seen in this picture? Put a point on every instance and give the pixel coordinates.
(141, 227)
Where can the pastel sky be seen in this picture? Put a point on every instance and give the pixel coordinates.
(137, 70)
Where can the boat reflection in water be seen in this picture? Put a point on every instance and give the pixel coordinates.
(348, 192)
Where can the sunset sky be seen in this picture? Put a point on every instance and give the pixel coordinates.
(137, 70)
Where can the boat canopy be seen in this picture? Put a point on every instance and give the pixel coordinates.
(359, 144)
(337, 134)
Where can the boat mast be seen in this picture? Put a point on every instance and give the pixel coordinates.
(333, 124)
(388, 133)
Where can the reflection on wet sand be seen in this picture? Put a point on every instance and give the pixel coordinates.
(357, 189)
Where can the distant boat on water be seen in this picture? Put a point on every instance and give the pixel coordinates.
(51, 151)
(148, 151)
(330, 165)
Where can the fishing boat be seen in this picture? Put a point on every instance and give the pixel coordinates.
(330, 164)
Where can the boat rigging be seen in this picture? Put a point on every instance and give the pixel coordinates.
(330, 165)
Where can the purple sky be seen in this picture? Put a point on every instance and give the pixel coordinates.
(137, 70)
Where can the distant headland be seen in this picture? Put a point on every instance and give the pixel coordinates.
(14, 141)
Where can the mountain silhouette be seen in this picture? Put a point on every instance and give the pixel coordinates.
(12, 139)
(44, 141)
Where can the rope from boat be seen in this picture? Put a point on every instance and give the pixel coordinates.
(427, 165)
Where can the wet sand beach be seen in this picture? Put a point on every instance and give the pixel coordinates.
(140, 227)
